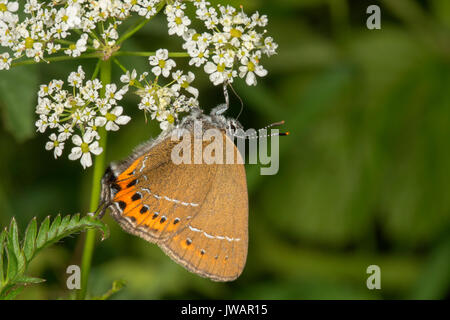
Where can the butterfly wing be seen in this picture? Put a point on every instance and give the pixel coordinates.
(197, 213)
(156, 197)
(214, 243)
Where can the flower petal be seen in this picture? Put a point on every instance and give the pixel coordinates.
(95, 148)
(76, 139)
(86, 160)
(76, 153)
(123, 120)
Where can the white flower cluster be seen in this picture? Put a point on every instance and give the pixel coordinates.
(80, 108)
(231, 47)
(47, 26)
(164, 103)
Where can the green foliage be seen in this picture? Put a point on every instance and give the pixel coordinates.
(18, 101)
(13, 265)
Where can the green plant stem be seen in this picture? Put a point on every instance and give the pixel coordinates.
(150, 53)
(99, 168)
(59, 58)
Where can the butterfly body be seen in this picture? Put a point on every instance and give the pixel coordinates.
(196, 213)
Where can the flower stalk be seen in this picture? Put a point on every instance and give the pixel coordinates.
(99, 168)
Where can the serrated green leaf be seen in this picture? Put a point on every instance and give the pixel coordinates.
(65, 223)
(54, 228)
(2, 240)
(43, 233)
(96, 223)
(29, 244)
(13, 240)
(28, 280)
(49, 233)
(11, 270)
(74, 221)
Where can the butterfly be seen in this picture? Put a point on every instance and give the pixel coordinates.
(196, 213)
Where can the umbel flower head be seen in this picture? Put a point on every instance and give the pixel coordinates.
(79, 109)
(164, 102)
(232, 41)
(231, 44)
(47, 25)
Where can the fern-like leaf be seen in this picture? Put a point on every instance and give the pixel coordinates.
(18, 257)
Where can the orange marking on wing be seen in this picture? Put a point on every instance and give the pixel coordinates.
(135, 213)
(171, 227)
(126, 175)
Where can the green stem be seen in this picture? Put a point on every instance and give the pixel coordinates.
(59, 58)
(150, 53)
(99, 169)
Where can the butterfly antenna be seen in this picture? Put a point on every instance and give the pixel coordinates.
(242, 102)
(257, 134)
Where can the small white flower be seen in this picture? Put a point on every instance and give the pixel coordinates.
(73, 12)
(115, 118)
(112, 94)
(56, 144)
(251, 68)
(42, 123)
(184, 81)
(217, 72)
(65, 132)
(178, 23)
(129, 78)
(162, 65)
(5, 61)
(146, 103)
(76, 78)
(84, 147)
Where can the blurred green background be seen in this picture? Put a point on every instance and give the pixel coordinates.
(364, 176)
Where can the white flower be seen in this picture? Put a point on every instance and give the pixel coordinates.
(129, 78)
(73, 12)
(5, 61)
(42, 123)
(251, 68)
(75, 50)
(198, 56)
(56, 144)
(112, 94)
(217, 72)
(162, 65)
(76, 78)
(184, 81)
(65, 132)
(178, 23)
(6, 10)
(84, 147)
(146, 103)
(114, 118)
(145, 8)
